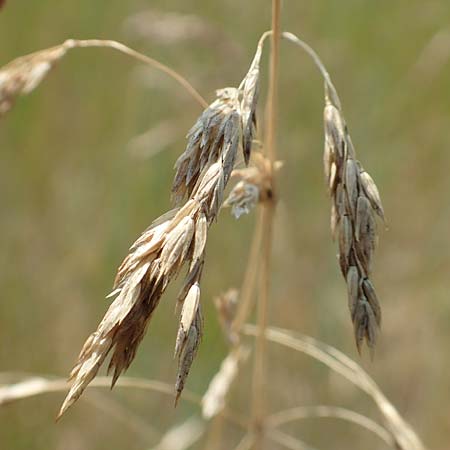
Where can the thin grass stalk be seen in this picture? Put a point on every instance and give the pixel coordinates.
(75, 43)
(38, 385)
(246, 296)
(258, 386)
(258, 405)
(311, 412)
(404, 436)
(318, 62)
(35, 386)
(114, 409)
(24, 74)
(288, 441)
(245, 443)
(214, 438)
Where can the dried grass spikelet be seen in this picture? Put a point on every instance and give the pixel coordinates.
(24, 74)
(242, 199)
(254, 185)
(214, 134)
(250, 91)
(355, 202)
(189, 335)
(213, 402)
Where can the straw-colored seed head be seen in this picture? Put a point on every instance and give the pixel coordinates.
(176, 239)
(24, 74)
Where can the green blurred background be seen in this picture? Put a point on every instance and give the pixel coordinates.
(77, 188)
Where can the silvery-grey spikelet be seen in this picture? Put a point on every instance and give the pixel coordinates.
(355, 202)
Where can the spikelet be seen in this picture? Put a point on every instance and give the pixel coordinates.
(24, 74)
(190, 332)
(254, 185)
(355, 202)
(250, 91)
(214, 132)
(242, 199)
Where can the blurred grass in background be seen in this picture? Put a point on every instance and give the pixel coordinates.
(75, 196)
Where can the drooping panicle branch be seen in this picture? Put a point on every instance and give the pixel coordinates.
(24, 74)
(355, 201)
(175, 240)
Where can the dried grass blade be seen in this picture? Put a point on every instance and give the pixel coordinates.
(34, 386)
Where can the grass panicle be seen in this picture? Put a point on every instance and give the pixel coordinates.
(176, 239)
(355, 203)
(219, 144)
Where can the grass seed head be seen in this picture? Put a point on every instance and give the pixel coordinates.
(176, 239)
(24, 74)
(354, 202)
